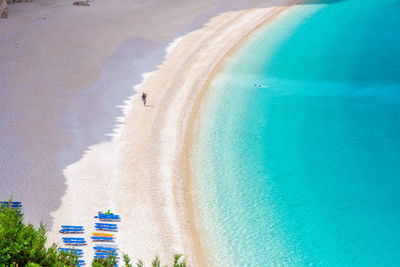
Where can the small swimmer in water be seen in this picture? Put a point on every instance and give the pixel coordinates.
(261, 86)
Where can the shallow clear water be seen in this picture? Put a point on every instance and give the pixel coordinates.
(306, 171)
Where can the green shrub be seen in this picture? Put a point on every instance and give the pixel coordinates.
(25, 245)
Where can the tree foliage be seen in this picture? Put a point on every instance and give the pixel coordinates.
(127, 260)
(178, 261)
(111, 261)
(140, 263)
(25, 245)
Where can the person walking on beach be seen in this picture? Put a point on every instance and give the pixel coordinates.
(144, 98)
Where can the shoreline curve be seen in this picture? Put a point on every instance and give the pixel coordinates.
(197, 235)
(143, 172)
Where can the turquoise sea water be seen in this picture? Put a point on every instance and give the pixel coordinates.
(306, 171)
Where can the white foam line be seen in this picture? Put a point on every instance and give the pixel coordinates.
(126, 107)
(173, 44)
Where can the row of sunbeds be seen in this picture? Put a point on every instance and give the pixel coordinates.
(12, 204)
(108, 217)
(101, 248)
(104, 250)
(75, 251)
(104, 237)
(69, 229)
(106, 227)
(73, 241)
(72, 229)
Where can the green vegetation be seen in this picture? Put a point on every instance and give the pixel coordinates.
(110, 262)
(24, 245)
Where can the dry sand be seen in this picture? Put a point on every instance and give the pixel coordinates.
(72, 146)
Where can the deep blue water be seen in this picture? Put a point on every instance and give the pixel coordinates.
(306, 171)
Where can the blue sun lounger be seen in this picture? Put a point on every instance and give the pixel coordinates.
(105, 254)
(75, 243)
(81, 262)
(107, 224)
(71, 227)
(68, 250)
(109, 245)
(103, 257)
(71, 231)
(103, 228)
(104, 249)
(79, 254)
(103, 214)
(13, 206)
(73, 238)
(106, 246)
(108, 217)
(71, 249)
(13, 203)
(102, 239)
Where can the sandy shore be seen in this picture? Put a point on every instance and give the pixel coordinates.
(77, 127)
(269, 14)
